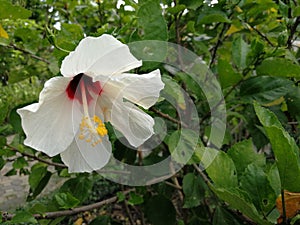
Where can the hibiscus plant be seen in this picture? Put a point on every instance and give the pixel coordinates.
(163, 112)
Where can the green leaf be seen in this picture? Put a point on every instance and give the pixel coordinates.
(295, 220)
(237, 201)
(10, 11)
(66, 200)
(227, 75)
(176, 9)
(284, 147)
(174, 91)
(152, 22)
(2, 162)
(243, 154)
(38, 179)
(222, 171)
(253, 126)
(36, 175)
(293, 101)
(284, 8)
(213, 17)
(274, 179)
(160, 211)
(191, 4)
(223, 217)
(255, 182)
(240, 51)
(30, 37)
(257, 47)
(80, 187)
(121, 196)
(2, 141)
(11, 172)
(264, 89)
(266, 117)
(39, 208)
(68, 38)
(182, 144)
(127, 155)
(20, 163)
(280, 67)
(189, 83)
(71, 32)
(15, 120)
(4, 41)
(193, 190)
(296, 11)
(23, 217)
(135, 199)
(3, 112)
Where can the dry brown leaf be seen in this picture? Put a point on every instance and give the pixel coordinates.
(292, 205)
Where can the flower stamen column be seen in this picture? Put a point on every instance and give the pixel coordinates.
(91, 130)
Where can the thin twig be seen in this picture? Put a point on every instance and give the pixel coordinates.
(173, 185)
(70, 212)
(60, 164)
(168, 117)
(292, 32)
(204, 177)
(29, 53)
(283, 207)
(176, 183)
(131, 220)
(262, 35)
(36, 158)
(219, 42)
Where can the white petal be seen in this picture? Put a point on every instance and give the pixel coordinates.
(103, 55)
(48, 124)
(140, 89)
(81, 156)
(133, 123)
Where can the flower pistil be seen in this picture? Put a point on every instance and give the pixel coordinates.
(91, 129)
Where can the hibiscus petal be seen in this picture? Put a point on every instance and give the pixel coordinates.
(48, 124)
(133, 123)
(140, 89)
(103, 55)
(81, 156)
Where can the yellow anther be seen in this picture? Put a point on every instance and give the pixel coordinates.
(91, 130)
(101, 131)
(97, 119)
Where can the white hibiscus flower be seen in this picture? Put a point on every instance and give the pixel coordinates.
(69, 117)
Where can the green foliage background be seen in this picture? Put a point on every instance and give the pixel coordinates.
(252, 47)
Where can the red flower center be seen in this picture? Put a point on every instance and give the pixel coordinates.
(74, 91)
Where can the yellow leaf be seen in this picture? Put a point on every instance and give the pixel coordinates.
(3, 32)
(79, 221)
(273, 10)
(238, 9)
(292, 205)
(232, 29)
(275, 102)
